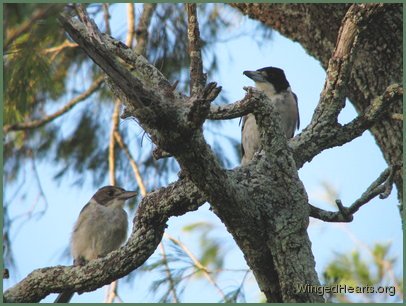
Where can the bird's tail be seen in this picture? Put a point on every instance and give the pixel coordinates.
(64, 297)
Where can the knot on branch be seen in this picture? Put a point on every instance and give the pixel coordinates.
(200, 104)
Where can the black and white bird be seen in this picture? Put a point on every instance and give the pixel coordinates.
(272, 81)
(101, 228)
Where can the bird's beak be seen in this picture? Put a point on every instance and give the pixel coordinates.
(254, 75)
(127, 195)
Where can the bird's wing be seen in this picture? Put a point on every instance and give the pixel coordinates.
(297, 111)
(82, 217)
(244, 119)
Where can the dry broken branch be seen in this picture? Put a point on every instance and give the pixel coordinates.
(381, 186)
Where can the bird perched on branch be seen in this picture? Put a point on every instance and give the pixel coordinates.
(272, 81)
(101, 228)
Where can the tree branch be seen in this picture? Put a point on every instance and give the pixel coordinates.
(112, 142)
(234, 110)
(149, 225)
(197, 77)
(130, 25)
(39, 13)
(40, 122)
(340, 64)
(198, 265)
(172, 286)
(133, 164)
(311, 141)
(381, 186)
(142, 28)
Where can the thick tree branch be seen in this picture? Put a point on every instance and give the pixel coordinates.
(234, 110)
(40, 122)
(340, 64)
(311, 142)
(149, 224)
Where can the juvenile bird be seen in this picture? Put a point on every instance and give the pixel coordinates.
(272, 81)
(101, 228)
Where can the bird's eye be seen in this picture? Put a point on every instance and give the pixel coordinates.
(111, 193)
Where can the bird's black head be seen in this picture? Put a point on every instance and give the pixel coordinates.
(112, 195)
(272, 75)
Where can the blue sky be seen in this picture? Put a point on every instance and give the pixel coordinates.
(349, 169)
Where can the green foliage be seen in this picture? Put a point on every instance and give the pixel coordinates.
(211, 249)
(30, 76)
(352, 270)
(178, 265)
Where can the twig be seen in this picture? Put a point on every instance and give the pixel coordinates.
(56, 50)
(133, 164)
(130, 24)
(197, 77)
(38, 123)
(111, 292)
(114, 129)
(41, 189)
(172, 287)
(197, 263)
(346, 214)
(106, 16)
(375, 110)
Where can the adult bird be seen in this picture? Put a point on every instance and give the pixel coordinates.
(272, 81)
(100, 228)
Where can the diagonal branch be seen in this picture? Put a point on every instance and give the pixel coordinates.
(339, 68)
(133, 164)
(199, 266)
(172, 286)
(149, 225)
(40, 122)
(197, 77)
(381, 186)
(310, 142)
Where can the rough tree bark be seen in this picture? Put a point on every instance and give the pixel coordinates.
(263, 205)
(377, 64)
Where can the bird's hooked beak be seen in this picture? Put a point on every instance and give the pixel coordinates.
(254, 75)
(127, 195)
